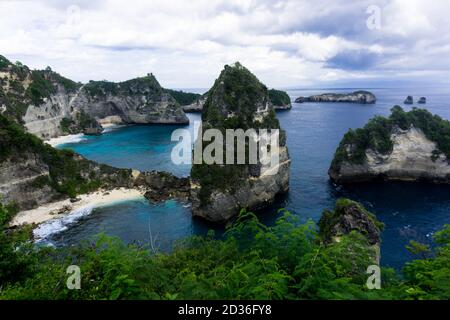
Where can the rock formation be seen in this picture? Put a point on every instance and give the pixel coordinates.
(407, 146)
(349, 216)
(280, 99)
(238, 100)
(422, 100)
(49, 105)
(409, 100)
(363, 97)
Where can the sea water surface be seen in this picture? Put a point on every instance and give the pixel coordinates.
(314, 130)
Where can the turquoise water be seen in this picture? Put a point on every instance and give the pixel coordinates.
(409, 211)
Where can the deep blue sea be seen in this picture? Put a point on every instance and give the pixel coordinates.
(409, 211)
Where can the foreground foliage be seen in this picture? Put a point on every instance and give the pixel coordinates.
(252, 261)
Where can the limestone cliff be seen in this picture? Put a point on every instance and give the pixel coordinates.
(407, 146)
(49, 105)
(238, 100)
(363, 97)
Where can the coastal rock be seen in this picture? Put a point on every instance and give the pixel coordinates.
(280, 99)
(409, 100)
(362, 97)
(218, 192)
(49, 105)
(422, 100)
(403, 152)
(196, 106)
(161, 186)
(349, 216)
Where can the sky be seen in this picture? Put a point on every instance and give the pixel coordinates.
(185, 44)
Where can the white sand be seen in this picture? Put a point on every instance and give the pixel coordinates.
(92, 200)
(70, 138)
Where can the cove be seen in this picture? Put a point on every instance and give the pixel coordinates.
(314, 130)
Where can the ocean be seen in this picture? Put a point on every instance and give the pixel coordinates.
(410, 211)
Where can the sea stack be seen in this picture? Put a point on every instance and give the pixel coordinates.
(238, 100)
(407, 146)
(409, 100)
(422, 100)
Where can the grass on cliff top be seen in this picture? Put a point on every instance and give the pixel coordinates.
(288, 260)
(376, 134)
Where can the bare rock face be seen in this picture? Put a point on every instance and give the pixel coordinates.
(362, 97)
(407, 154)
(219, 191)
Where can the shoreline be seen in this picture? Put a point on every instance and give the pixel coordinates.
(79, 137)
(64, 208)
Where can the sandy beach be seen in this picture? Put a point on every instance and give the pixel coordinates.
(64, 208)
(70, 138)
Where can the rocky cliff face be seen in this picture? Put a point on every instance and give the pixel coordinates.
(50, 105)
(363, 97)
(394, 153)
(218, 192)
(33, 173)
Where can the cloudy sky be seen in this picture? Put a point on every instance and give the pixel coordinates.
(306, 43)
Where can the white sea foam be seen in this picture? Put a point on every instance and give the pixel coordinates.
(71, 138)
(59, 224)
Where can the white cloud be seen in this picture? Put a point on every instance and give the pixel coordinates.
(186, 43)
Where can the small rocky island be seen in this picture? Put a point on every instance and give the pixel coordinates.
(409, 100)
(406, 146)
(422, 100)
(238, 100)
(361, 96)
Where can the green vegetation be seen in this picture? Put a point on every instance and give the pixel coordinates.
(251, 261)
(39, 88)
(376, 134)
(68, 173)
(141, 85)
(236, 91)
(183, 98)
(279, 98)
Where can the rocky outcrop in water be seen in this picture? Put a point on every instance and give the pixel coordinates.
(422, 100)
(280, 99)
(218, 192)
(349, 216)
(407, 146)
(409, 100)
(161, 186)
(362, 97)
(49, 105)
